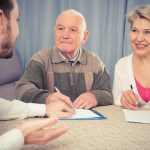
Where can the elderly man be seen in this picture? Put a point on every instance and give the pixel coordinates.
(80, 76)
(30, 132)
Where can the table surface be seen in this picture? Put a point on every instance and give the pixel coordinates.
(113, 133)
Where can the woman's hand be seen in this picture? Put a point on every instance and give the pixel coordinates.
(129, 100)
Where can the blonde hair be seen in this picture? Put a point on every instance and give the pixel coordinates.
(139, 12)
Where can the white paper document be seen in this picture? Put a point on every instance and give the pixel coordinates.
(142, 116)
(83, 114)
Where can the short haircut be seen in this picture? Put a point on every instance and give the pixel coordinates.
(76, 13)
(6, 6)
(142, 12)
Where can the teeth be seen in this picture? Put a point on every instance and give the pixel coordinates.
(140, 45)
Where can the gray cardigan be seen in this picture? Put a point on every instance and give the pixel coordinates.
(47, 69)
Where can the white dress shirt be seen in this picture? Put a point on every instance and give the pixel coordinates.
(14, 139)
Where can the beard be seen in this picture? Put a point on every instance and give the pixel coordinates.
(7, 44)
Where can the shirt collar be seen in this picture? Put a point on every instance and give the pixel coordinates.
(75, 59)
(57, 57)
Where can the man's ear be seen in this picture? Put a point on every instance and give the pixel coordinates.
(86, 35)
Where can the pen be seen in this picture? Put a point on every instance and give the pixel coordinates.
(57, 90)
(131, 87)
(133, 93)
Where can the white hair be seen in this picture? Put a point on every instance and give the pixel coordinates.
(75, 13)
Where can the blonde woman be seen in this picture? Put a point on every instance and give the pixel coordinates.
(131, 87)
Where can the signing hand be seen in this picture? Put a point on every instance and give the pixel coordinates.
(59, 108)
(57, 96)
(86, 100)
(41, 132)
(60, 105)
(129, 100)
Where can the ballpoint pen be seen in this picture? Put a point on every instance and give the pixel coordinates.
(132, 90)
(131, 87)
(139, 103)
(57, 90)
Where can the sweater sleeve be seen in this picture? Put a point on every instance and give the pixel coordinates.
(11, 140)
(19, 110)
(32, 87)
(117, 85)
(101, 87)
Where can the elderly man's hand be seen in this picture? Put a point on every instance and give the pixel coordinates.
(59, 108)
(41, 132)
(86, 100)
(58, 104)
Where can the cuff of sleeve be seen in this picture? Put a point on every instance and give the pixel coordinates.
(94, 92)
(118, 102)
(13, 139)
(36, 110)
(103, 97)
